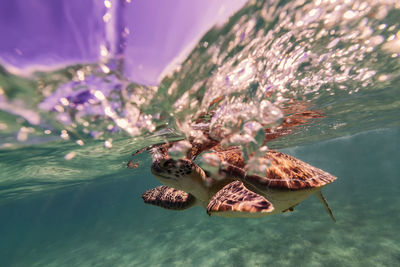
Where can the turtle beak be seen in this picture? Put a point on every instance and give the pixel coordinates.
(155, 167)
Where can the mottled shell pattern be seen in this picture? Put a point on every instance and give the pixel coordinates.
(284, 172)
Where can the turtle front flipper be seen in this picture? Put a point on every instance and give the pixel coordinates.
(235, 200)
(168, 198)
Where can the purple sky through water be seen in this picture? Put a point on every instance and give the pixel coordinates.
(50, 33)
(38, 34)
(161, 30)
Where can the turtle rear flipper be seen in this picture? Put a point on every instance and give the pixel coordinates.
(321, 198)
(235, 200)
(168, 198)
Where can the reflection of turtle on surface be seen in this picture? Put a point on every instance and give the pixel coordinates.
(234, 193)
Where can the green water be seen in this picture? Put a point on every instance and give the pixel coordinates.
(105, 223)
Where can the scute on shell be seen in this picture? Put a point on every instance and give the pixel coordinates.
(285, 172)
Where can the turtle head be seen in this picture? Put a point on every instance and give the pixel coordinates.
(181, 174)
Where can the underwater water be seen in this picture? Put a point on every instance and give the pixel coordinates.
(106, 223)
(318, 80)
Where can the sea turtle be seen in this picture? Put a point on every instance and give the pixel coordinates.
(287, 182)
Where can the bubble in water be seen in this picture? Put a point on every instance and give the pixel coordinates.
(3, 126)
(179, 149)
(269, 113)
(238, 139)
(211, 163)
(108, 143)
(231, 117)
(80, 142)
(107, 3)
(257, 164)
(392, 44)
(23, 133)
(70, 155)
(64, 135)
(250, 138)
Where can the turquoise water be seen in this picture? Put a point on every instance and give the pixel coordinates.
(328, 71)
(105, 223)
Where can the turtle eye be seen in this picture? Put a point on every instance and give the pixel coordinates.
(168, 163)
